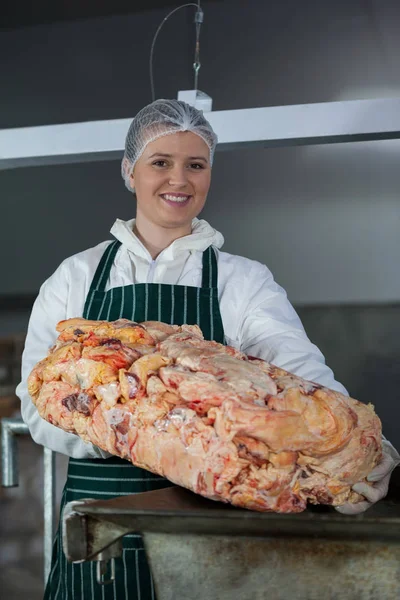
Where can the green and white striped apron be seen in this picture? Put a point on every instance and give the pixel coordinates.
(104, 479)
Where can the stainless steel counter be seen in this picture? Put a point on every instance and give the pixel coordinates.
(200, 549)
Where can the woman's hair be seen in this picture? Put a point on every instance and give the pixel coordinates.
(163, 117)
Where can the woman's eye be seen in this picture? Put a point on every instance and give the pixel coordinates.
(163, 163)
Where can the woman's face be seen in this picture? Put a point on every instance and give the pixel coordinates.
(171, 180)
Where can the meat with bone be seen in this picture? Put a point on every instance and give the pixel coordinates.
(205, 416)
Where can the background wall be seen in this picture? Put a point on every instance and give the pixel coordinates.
(325, 219)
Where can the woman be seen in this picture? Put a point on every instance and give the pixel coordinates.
(164, 265)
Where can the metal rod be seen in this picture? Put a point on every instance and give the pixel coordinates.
(10, 428)
(9, 452)
(101, 572)
(48, 510)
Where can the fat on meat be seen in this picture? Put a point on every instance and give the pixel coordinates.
(230, 427)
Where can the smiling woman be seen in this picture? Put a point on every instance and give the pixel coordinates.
(165, 265)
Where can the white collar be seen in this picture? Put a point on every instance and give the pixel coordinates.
(202, 236)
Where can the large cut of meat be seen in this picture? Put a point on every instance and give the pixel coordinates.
(205, 416)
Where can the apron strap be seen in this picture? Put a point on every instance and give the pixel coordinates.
(103, 270)
(210, 269)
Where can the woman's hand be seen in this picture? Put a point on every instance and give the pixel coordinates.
(380, 476)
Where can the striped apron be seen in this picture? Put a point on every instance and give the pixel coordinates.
(104, 479)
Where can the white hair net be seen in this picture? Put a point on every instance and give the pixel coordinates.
(163, 117)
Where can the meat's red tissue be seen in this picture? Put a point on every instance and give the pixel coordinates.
(205, 416)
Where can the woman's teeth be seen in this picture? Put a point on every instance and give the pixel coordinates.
(175, 198)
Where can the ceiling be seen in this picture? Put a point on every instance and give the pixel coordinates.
(25, 13)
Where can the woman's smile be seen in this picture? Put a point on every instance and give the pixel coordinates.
(176, 200)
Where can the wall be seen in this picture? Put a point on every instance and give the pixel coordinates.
(315, 213)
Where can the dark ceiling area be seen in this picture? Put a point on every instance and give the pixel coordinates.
(26, 13)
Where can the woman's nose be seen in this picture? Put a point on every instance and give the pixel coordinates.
(178, 176)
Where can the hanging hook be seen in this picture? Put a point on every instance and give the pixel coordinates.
(196, 68)
(198, 19)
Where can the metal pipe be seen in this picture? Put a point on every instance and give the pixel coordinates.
(9, 452)
(10, 428)
(48, 511)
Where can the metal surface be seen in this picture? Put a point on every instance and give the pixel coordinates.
(199, 567)
(10, 429)
(200, 549)
(203, 567)
(176, 510)
(301, 124)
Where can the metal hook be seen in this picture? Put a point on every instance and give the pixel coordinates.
(196, 68)
(101, 570)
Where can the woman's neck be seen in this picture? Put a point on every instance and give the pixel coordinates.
(155, 239)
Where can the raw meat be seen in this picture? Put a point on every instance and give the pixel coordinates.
(205, 416)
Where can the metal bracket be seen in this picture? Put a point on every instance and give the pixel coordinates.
(94, 541)
(86, 538)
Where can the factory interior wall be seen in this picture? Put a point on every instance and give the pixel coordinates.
(324, 219)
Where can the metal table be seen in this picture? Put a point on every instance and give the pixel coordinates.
(199, 549)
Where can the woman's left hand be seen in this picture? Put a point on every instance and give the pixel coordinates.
(380, 476)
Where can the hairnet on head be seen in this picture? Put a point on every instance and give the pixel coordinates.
(163, 117)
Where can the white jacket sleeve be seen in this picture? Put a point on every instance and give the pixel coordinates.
(49, 308)
(271, 329)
